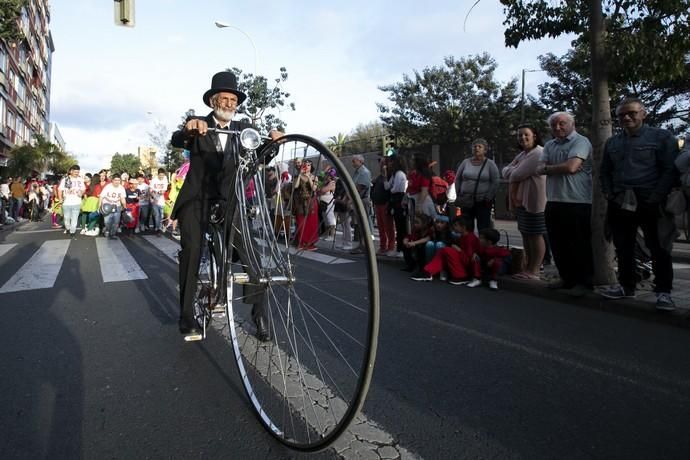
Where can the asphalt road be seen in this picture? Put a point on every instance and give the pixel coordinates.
(95, 369)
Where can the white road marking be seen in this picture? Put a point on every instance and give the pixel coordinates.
(165, 245)
(41, 270)
(679, 266)
(50, 230)
(117, 264)
(316, 256)
(5, 248)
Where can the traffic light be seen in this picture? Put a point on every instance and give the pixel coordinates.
(388, 146)
(124, 12)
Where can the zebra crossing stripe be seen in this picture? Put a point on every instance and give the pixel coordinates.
(165, 245)
(5, 248)
(41, 270)
(117, 264)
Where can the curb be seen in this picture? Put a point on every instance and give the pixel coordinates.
(639, 309)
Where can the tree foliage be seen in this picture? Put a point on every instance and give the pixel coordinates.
(646, 40)
(170, 157)
(41, 157)
(337, 143)
(667, 101)
(366, 137)
(10, 11)
(127, 162)
(453, 104)
(265, 102)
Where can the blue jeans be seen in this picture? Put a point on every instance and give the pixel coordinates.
(112, 222)
(16, 207)
(144, 213)
(157, 212)
(431, 247)
(71, 215)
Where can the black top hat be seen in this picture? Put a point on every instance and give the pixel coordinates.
(224, 82)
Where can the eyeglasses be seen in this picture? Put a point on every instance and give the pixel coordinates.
(630, 113)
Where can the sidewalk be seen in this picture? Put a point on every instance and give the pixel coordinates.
(643, 306)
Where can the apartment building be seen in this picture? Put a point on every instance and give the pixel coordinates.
(25, 69)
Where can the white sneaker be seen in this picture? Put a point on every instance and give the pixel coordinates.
(474, 283)
(119, 230)
(136, 229)
(493, 285)
(347, 247)
(443, 276)
(65, 232)
(96, 231)
(106, 234)
(392, 253)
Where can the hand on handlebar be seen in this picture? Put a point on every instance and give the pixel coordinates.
(195, 126)
(275, 134)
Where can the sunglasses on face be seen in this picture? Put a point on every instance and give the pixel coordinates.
(630, 113)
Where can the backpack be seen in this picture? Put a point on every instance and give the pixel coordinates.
(438, 190)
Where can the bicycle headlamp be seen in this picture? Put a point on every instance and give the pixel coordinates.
(250, 139)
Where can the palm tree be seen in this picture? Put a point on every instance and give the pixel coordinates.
(337, 143)
(43, 156)
(23, 161)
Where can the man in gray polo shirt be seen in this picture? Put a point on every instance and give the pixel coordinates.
(362, 179)
(567, 163)
(637, 173)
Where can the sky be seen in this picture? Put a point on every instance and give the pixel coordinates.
(112, 85)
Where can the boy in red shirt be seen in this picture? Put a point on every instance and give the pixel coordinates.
(491, 257)
(458, 259)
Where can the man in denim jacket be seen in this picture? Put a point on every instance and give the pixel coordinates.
(637, 173)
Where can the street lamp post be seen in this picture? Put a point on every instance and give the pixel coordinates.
(522, 97)
(223, 25)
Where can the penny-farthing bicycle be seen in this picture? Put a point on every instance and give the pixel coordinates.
(308, 382)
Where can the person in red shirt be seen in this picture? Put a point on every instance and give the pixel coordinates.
(458, 259)
(491, 256)
(418, 183)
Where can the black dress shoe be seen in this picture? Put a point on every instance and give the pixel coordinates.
(190, 330)
(262, 332)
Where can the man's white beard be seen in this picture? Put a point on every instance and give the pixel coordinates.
(223, 115)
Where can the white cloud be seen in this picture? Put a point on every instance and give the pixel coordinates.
(106, 79)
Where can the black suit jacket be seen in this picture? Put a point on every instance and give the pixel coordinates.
(210, 167)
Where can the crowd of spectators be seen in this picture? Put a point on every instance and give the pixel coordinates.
(88, 204)
(442, 226)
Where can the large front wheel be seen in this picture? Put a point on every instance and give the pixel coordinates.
(307, 263)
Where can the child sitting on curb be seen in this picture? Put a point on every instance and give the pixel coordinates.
(414, 244)
(458, 259)
(491, 256)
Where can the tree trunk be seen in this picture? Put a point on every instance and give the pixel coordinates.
(601, 131)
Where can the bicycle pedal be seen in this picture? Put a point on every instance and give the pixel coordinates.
(193, 337)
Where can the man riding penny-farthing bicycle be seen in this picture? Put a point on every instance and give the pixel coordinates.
(206, 186)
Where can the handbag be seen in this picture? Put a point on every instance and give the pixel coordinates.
(676, 203)
(468, 201)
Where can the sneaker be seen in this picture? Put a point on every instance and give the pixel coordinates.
(474, 283)
(443, 276)
(457, 282)
(392, 253)
(83, 231)
(136, 230)
(346, 247)
(96, 231)
(664, 302)
(616, 292)
(421, 276)
(493, 285)
(106, 234)
(119, 229)
(65, 232)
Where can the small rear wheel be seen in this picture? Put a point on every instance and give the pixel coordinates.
(293, 233)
